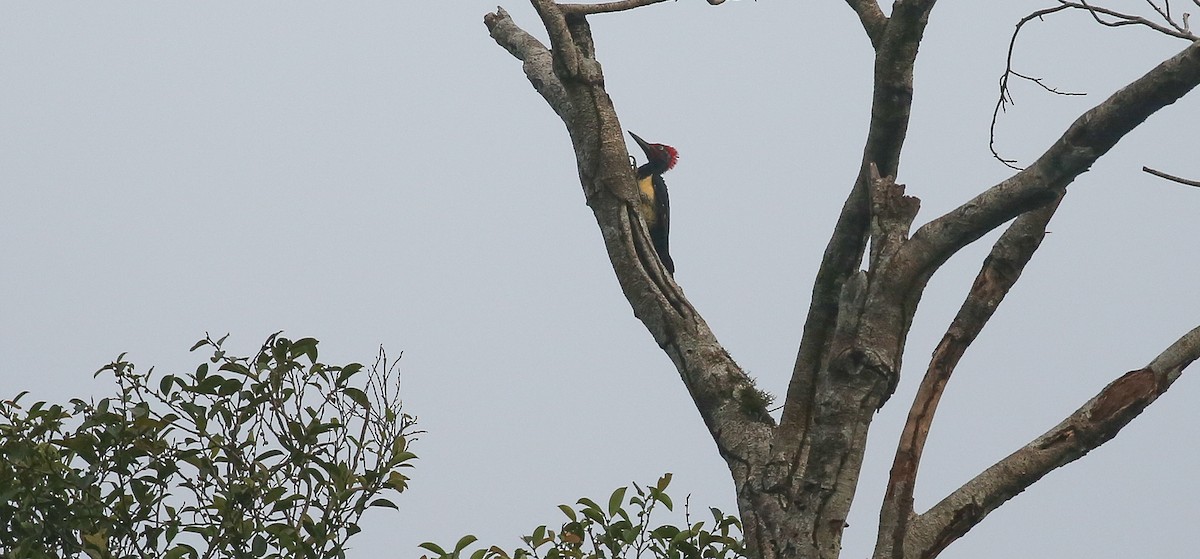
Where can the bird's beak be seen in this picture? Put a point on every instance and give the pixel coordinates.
(641, 142)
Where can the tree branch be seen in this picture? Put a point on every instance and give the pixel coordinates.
(892, 214)
(1165, 13)
(732, 408)
(606, 7)
(1174, 178)
(1005, 99)
(839, 381)
(538, 62)
(1123, 19)
(872, 18)
(1085, 141)
(1093, 424)
(1000, 271)
(891, 107)
(561, 42)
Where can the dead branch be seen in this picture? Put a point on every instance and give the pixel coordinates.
(1085, 141)
(892, 214)
(1093, 424)
(1173, 178)
(835, 386)
(1165, 13)
(890, 112)
(538, 62)
(1005, 98)
(561, 42)
(606, 7)
(795, 482)
(570, 79)
(1000, 271)
(1121, 19)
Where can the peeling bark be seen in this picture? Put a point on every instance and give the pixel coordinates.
(1093, 424)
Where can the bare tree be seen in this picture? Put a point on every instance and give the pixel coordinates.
(795, 478)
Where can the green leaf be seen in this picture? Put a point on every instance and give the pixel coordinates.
(463, 542)
(165, 384)
(235, 368)
(663, 482)
(397, 481)
(665, 532)
(593, 513)
(307, 347)
(479, 553)
(181, 550)
(230, 387)
(381, 502)
(435, 548)
(588, 503)
(402, 457)
(568, 511)
(259, 545)
(269, 455)
(615, 501)
(358, 396)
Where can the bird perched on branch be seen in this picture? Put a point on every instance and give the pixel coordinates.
(656, 206)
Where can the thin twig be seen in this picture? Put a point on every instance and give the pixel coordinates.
(1042, 84)
(1087, 139)
(1165, 12)
(1121, 19)
(1174, 178)
(1005, 97)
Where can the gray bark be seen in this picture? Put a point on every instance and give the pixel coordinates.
(795, 481)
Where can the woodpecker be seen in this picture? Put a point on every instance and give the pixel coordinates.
(656, 206)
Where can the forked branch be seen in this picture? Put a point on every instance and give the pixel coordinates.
(1105, 16)
(891, 108)
(1000, 271)
(570, 79)
(872, 18)
(538, 62)
(1120, 19)
(1093, 424)
(1086, 140)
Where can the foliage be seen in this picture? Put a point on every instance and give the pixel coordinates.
(275, 455)
(619, 530)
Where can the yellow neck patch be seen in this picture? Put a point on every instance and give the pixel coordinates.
(646, 186)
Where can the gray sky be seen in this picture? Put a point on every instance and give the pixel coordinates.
(382, 173)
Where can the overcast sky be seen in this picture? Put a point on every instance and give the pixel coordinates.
(377, 172)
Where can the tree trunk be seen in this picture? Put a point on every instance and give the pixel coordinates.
(796, 479)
